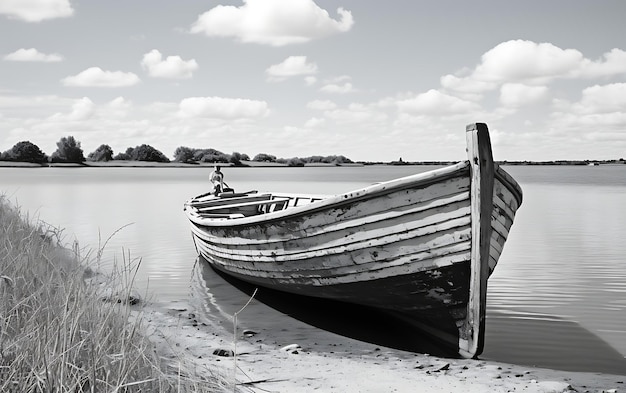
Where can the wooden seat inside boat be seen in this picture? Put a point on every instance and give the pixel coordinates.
(237, 207)
(230, 205)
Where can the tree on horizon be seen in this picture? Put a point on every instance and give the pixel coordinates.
(102, 153)
(263, 157)
(184, 154)
(24, 151)
(237, 157)
(142, 153)
(68, 150)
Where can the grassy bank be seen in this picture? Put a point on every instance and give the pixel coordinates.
(56, 332)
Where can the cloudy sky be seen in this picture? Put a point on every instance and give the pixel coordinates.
(371, 80)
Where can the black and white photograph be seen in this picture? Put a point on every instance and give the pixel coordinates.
(312, 196)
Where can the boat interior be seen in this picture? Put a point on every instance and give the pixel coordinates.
(231, 205)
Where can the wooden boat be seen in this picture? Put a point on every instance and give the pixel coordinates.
(420, 247)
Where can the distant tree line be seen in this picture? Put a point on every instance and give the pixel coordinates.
(190, 155)
(565, 162)
(69, 151)
(297, 161)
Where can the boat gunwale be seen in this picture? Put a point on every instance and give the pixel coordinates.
(416, 180)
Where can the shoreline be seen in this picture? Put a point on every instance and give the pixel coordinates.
(254, 164)
(339, 364)
(146, 164)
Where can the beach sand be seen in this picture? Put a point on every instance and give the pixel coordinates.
(186, 338)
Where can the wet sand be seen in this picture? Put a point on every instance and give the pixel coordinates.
(332, 363)
(296, 358)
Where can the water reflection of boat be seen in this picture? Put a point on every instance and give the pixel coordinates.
(420, 247)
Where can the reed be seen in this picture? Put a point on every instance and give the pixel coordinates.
(56, 332)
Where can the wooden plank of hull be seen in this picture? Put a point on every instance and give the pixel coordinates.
(422, 245)
(505, 204)
(314, 275)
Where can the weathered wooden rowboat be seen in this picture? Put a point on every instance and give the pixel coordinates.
(420, 247)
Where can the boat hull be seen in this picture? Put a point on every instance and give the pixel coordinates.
(403, 246)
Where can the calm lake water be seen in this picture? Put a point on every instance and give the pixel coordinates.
(557, 298)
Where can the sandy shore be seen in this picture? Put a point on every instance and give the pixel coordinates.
(184, 336)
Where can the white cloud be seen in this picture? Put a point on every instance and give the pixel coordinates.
(321, 105)
(34, 55)
(291, 66)
(118, 108)
(172, 67)
(516, 94)
(96, 77)
(222, 108)
(466, 85)
(338, 89)
(356, 113)
(272, 22)
(338, 85)
(531, 63)
(526, 61)
(36, 10)
(433, 103)
(82, 109)
(602, 99)
(315, 122)
(310, 80)
(599, 116)
(590, 126)
(614, 63)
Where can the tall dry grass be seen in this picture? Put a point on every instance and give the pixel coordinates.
(56, 332)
